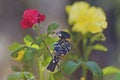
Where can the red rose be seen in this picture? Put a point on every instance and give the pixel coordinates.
(30, 17)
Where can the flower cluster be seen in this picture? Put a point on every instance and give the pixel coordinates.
(86, 18)
(30, 17)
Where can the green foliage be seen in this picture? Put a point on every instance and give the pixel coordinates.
(97, 37)
(99, 47)
(29, 54)
(58, 75)
(15, 52)
(117, 76)
(21, 76)
(39, 39)
(51, 28)
(14, 46)
(50, 42)
(110, 70)
(111, 73)
(46, 60)
(28, 40)
(95, 69)
(69, 67)
(38, 50)
(14, 76)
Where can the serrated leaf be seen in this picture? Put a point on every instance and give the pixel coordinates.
(29, 54)
(51, 28)
(110, 70)
(28, 40)
(95, 69)
(70, 66)
(99, 47)
(14, 46)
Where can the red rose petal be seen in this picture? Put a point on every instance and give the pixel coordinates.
(30, 17)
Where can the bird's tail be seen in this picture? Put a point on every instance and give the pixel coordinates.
(53, 64)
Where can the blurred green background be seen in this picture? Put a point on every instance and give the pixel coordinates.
(10, 31)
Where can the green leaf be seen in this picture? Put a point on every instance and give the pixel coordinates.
(28, 40)
(29, 76)
(99, 47)
(95, 69)
(21, 76)
(46, 60)
(70, 66)
(14, 46)
(38, 40)
(110, 70)
(14, 76)
(15, 52)
(29, 54)
(51, 28)
(50, 42)
(117, 76)
(98, 37)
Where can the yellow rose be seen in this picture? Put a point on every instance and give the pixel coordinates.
(86, 18)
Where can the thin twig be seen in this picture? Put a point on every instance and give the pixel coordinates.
(47, 48)
(44, 41)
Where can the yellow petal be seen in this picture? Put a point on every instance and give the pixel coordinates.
(20, 55)
(82, 78)
(95, 29)
(68, 8)
(79, 28)
(86, 18)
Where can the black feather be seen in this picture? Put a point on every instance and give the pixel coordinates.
(53, 64)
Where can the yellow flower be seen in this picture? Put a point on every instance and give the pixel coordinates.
(82, 78)
(86, 18)
(20, 55)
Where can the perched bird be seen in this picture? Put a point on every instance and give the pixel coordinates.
(61, 48)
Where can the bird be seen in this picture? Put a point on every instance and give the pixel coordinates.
(61, 48)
